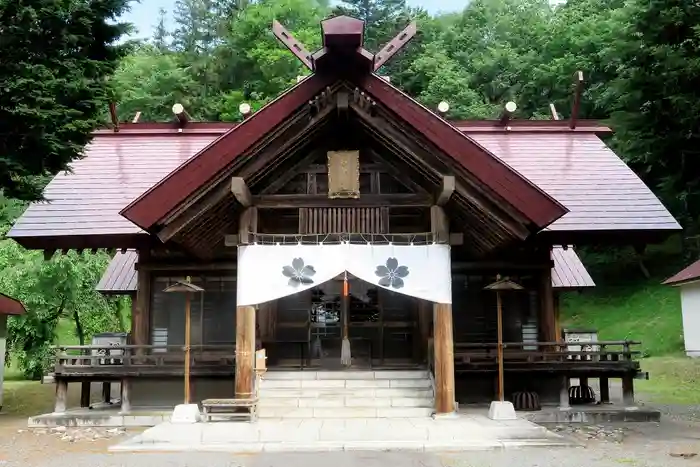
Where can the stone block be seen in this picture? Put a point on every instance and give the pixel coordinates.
(502, 410)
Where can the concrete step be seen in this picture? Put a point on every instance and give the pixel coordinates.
(352, 402)
(345, 375)
(267, 383)
(344, 412)
(342, 392)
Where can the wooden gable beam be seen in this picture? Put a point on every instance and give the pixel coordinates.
(446, 189)
(395, 45)
(241, 192)
(294, 46)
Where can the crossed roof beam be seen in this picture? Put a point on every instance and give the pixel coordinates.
(345, 34)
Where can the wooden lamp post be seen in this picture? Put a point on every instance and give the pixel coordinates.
(501, 410)
(187, 288)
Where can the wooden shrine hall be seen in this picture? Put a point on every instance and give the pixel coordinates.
(345, 227)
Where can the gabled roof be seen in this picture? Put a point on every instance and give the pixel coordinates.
(575, 167)
(535, 205)
(120, 276)
(343, 62)
(689, 274)
(10, 306)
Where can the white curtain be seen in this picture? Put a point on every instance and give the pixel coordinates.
(269, 272)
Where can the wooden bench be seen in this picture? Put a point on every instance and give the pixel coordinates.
(230, 408)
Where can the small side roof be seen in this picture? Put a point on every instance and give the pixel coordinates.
(120, 277)
(11, 306)
(689, 274)
(568, 271)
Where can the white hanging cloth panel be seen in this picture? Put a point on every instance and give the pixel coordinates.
(269, 272)
(421, 271)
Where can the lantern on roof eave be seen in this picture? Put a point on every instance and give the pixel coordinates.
(187, 288)
(244, 109)
(443, 107)
(501, 284)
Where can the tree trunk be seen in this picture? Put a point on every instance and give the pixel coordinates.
(79, 327)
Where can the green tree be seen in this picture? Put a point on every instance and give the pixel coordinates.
(54, 57)
(658, 85)
(150, 81)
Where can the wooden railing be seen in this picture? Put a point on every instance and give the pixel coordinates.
(594, 357)
(115, 361)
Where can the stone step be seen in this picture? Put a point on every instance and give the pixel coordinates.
(342, 392)
(267, 383)
(344, 412)
(346, 375)
(352, 402)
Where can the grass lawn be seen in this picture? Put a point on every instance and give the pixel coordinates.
(646, 312)
(672, 380)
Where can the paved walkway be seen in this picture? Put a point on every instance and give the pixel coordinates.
(461, 433)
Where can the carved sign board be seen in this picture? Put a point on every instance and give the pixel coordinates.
(343, 174)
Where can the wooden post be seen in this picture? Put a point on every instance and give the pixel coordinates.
(564, 394)
(107, 392)
(444, 359)
(61, 396)
(85, 394)
(126, 396)
(628, 391)
(188, 337)
(499, 330)
(547, 318)
(604, 390)
(140, 317)
(245, 345)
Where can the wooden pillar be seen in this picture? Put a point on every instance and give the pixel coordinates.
(444, 359)
(557, 317)
(61, 396)
(107, 392)
(245, 351)
(604, 390)
(628, 391)
(141, 315)
(564, 394)
(126, 396)
(547, 317)
(85, 394)
(3, 339)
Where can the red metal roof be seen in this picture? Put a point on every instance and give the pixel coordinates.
(11, 306)
(120, 276)
(581, 172)
(576, 168)
(689, 274)
(568, 271)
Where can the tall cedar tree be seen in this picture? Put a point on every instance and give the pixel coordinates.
(657, 90)
(382, 19)
(55, 56)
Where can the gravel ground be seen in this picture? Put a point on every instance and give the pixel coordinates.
(673, 442)
(667, 444)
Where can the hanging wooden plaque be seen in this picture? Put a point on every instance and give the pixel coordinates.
(343, 174)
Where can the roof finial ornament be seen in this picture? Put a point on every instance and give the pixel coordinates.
(508, 110)
(181, 114)
(443, 107)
